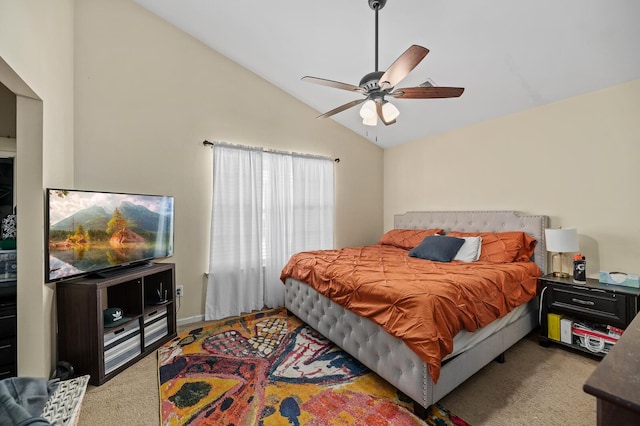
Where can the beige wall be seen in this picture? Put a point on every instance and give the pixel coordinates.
(575, 160)
(36, 59)
(146, 97)
(7, 113)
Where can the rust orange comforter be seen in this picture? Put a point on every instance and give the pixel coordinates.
(424, 303)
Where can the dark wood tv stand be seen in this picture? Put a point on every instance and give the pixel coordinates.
(102, 352)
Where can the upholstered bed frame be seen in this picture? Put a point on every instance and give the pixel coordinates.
(388, 356)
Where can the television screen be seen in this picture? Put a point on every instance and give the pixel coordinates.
(91, 232)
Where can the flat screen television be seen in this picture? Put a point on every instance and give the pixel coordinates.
(93, 232)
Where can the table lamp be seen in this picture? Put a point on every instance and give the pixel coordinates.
(561, 241)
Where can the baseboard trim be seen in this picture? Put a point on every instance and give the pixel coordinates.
(190, 320)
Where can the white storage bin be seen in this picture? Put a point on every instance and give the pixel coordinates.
(121, 345)
(156, 326)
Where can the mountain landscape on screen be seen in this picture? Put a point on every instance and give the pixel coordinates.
(139, 217)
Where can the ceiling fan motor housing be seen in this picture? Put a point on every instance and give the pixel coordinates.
(377, 4)
(370, 82)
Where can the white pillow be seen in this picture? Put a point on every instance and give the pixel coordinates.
(470, 250)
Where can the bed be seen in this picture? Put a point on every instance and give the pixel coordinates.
(392, 358)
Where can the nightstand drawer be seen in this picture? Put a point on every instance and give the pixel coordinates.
(8, 350)
(7, 370)
(609, 308)
(8, 321)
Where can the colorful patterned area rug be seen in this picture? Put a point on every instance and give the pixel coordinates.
(269, 368)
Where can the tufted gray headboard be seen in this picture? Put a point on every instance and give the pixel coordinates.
(481, 221)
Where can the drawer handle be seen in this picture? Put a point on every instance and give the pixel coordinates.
(583, 302)
(5, 346)
(7, 317)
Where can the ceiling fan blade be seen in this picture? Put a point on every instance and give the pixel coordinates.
(427, 92)
(402, 66)
(341, 108)
(379, 111)
(331, 83)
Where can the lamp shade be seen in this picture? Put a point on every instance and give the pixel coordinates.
(561, 240)
(368, 110)
(389, 111)
(370, 121)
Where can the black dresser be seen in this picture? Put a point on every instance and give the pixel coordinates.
(8, 330)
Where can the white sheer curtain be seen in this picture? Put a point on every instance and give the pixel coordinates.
(299, 212)
(235, 264)
(313, 202)
(291, 211)
(278, 229)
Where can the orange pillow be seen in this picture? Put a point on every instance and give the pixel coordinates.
(501, 247)
(407, 238)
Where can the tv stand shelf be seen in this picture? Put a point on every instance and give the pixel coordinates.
(146, 295)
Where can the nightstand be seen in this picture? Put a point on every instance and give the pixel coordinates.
(592, 303)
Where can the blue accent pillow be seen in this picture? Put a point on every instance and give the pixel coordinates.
(437, 247)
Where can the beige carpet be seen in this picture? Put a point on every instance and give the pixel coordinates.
(535, 386)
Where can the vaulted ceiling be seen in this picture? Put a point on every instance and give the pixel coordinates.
(508, 55)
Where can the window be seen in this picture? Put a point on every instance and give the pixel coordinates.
(266, 206)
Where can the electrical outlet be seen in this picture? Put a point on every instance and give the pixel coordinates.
(180, 291)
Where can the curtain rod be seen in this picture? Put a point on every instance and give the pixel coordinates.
(275, 151)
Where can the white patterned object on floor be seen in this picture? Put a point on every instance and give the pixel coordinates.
(63, 407)
(9, 227)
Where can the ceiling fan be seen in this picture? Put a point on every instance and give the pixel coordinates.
(378, 84)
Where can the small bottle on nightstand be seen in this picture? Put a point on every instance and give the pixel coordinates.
(579, 269)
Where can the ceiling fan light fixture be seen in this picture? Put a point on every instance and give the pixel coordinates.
(370, 121)
(389, 111)
(368, 111)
